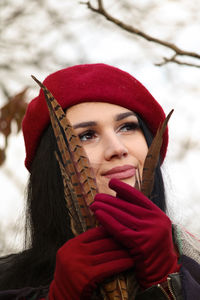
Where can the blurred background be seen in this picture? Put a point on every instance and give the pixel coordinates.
(40, 37)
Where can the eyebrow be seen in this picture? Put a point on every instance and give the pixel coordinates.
(119, 117)
(85, 124)
(124, 115)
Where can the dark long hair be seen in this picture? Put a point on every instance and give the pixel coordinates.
(47, 220)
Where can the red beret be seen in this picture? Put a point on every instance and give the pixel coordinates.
(90, 83)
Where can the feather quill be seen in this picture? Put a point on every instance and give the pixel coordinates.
(79, 184)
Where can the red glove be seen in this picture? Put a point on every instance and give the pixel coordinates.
(139, 225)
(85, 261)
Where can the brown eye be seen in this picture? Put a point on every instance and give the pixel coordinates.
(129, 127)
(87, 135)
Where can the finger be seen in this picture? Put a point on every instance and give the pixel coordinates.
(114, 267)
(110, 256)
(120, 232)
(132, 220)
(103, 246)
(121, 204)
(130, 194)
(92, 235)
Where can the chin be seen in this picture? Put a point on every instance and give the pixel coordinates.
(104, 188)
(130, 181)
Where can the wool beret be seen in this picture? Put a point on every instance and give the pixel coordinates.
(90, 83)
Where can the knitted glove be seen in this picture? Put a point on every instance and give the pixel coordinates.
(85, 261)
(140, 226)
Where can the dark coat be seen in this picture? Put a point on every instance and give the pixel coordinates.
(189, 273)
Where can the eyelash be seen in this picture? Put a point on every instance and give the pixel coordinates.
(91, 133)
(88, 132)
(131, 125)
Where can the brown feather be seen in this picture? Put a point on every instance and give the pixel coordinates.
(78, 206)
(77, 223)
(115, 288)
(152, 159)
(69, 176)
(76, 169)
(72, 188)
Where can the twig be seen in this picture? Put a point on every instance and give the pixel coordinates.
(178, 51)
(173, 59)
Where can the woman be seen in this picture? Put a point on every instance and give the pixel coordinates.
(115, 118)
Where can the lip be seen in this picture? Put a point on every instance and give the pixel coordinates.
(121, 172)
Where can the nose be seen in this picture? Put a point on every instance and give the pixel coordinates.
(114, 147)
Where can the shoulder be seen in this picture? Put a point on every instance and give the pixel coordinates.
(6, 262)
(24, 293)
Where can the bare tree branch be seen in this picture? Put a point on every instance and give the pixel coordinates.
(178, 51)
(174, 60)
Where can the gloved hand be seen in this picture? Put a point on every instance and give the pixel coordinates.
(140, 226)
(85, 261)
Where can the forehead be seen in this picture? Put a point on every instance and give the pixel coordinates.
(91, 110)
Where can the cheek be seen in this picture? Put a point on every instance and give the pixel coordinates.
(102, 184)
(94, 158)
(138, 148)
(143, 150)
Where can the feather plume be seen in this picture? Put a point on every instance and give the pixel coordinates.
(77, 223)
(78, 168)
(79, 183)
(152, 159)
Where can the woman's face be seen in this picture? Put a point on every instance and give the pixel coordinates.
(112, 139)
